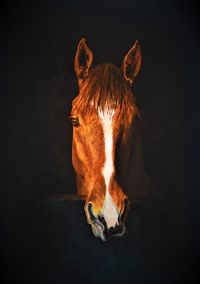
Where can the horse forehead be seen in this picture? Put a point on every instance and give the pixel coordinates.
(106, 115)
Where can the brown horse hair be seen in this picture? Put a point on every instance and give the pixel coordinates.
(105, 86)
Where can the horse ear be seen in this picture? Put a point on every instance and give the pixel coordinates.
(83, 60)
(132, 62)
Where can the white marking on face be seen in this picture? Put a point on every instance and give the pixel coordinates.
(109, 212)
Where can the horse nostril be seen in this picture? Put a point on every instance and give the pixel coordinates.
(91, 215)
(124, 212)
(97, 222)
(102, 220)
(116, 231)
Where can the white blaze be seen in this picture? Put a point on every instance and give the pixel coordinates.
(109, 211)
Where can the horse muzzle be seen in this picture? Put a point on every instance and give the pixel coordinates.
(99, 227)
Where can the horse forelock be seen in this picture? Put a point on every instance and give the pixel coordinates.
(106, 88)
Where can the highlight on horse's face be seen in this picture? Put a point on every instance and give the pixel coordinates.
(101, 114)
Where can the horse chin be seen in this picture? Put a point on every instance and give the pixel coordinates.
(98, 232)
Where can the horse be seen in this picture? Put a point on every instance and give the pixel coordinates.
(101, 114)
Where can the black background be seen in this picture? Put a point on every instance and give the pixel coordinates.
(46, 241)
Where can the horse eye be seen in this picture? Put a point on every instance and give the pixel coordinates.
(75, 121)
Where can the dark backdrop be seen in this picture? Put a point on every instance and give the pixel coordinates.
(49, 241)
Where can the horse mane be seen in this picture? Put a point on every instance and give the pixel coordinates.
(106, 88)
